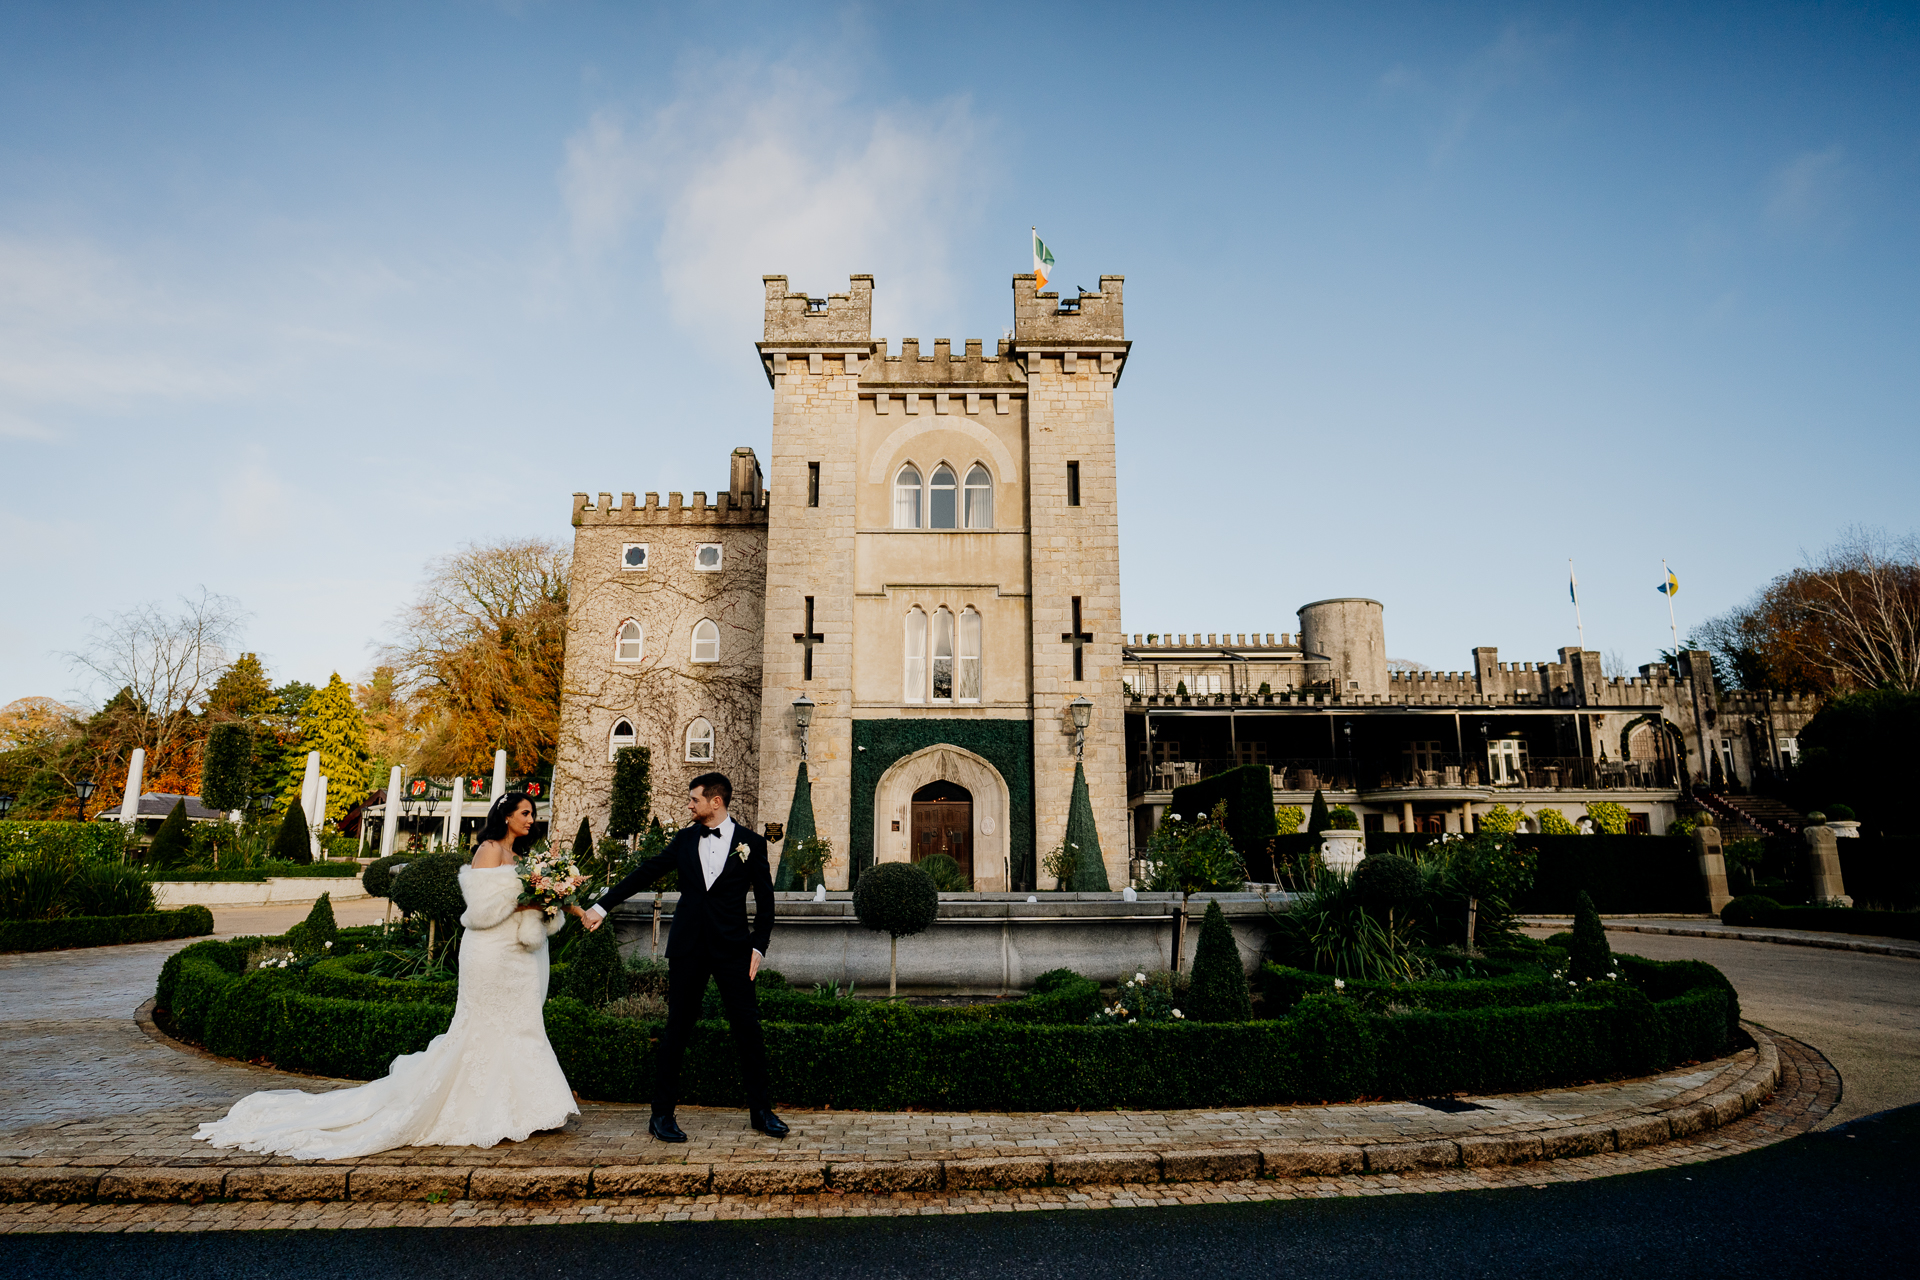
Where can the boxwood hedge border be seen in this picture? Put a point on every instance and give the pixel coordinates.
(104, 931)
(1036, 1054)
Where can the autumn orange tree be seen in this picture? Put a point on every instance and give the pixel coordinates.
(478, 656)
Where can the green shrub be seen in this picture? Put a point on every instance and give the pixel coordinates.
(1850, 920)
(946, 873)
(1342, 818)
(1144, 998)
(595, 973)
(1247, 791)
(1589, 958)
(1194, 854)
(1287, 819)
(109, 889)
(293, 843)
(80, 841)
(226, 767)
(1054, 979)
(377, 879)
(429, 887)
(1608, 818)
(172, 843)
(1749, 909)
(632, 791)
(259, 872)
(1219, 990)
(1317, 817)
(898, 899)
(33, 886)
(315, 935)
(1554, 823)
(1328, 929)
(104, 931)
(1387, 881)
(1337, 1048)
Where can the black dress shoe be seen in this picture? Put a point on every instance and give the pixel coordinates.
(768, 1123)
(663, 1128)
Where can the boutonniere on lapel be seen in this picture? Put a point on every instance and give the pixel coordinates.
(740, 851)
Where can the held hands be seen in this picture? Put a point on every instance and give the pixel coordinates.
(589, 920)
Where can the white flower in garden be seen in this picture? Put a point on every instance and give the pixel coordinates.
(1178, 1014)
(327, 946)
(1139, 977)
(1133, 1022)
(1339, 984)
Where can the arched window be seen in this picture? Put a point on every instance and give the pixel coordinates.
(943, 656)
(631, 644)
(700, 741)
(916, 665)
(941, 495)
(979, 498)
(906, 498)
(969, 656)
(706, 641)
(622, 736)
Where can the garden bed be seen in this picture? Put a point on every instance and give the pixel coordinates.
(104, 931)
(253, 875)
(1510, 1031)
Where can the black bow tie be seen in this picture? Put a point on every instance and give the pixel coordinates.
(713, 834)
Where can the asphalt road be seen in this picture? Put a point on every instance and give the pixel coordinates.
(1861, 1011)
(1824, 1204)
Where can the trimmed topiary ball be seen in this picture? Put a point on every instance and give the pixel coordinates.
(1387, 881)
(429, 886)
(896, 898)
(1219, 989)
(1749, 909)
(377, 879)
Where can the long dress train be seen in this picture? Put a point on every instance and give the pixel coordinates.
(491, 1076)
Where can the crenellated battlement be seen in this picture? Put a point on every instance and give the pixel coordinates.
(1212, 640)
(728, 509)
(1048, 321)
(795, 319)
(972, 369)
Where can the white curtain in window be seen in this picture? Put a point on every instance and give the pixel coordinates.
(943, 656)
(969, 656)
(941, 495)
(916, 665)
(979, 498)
(706, 641)
(700, 742)
(906, 498)
(622, 736)
(632, 645)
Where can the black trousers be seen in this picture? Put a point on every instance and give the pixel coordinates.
(686, 987)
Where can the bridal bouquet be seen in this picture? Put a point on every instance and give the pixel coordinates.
(549, 881)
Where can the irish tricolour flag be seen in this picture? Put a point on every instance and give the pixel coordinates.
(1042, 262)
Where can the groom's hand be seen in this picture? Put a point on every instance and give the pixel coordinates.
(753, 966)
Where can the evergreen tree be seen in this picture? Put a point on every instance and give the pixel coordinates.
(632, 791)
(800, 826)
(226, 778)
(242, 691)
(293, 841)
(1089, 867)
(331, 724)
(173, 841)
(1589, 958)
(1219, 990)
(583, 842)
(1318, 819)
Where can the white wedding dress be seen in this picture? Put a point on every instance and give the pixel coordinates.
(490, 1077)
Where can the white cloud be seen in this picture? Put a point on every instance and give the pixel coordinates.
(1804, 193)
(754, 170)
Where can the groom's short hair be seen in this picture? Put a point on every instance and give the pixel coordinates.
(714, 784)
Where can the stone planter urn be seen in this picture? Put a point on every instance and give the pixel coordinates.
(1342, 850)
(1844, 829)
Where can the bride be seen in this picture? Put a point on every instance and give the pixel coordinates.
(491, 1076)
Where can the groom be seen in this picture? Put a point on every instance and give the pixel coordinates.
(718, 862)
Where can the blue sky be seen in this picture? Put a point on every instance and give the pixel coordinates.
(1425, 299)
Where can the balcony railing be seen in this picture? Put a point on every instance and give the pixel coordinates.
(1432, 772)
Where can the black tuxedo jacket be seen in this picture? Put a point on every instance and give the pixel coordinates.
(708, 916)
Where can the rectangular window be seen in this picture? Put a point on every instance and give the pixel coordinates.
(969, 656)
(1073, 489)
(813, 484)
(942, 656)
(916, 665)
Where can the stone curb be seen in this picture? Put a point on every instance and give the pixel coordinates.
(441, 1184)
(1729, 933)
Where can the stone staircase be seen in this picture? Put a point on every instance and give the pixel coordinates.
(1740, 817)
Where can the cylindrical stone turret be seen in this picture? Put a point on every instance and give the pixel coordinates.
(1351, 635)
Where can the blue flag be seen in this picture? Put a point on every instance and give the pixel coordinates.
(1671, 587)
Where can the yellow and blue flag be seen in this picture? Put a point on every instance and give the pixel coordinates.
(1671, 587)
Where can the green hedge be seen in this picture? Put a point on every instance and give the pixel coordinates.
(1624, 874)
(1848, 920)
(86, 841)
(320, 870)
(1032, 1054)
(1882, 870)
(104, 931)
(1248, 791)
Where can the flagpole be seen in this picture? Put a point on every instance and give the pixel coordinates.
(1573, 585)
(1671, 624)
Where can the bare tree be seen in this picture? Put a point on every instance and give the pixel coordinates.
(1866, 592)
(479, 655)
(154, 666)
(1614, 665)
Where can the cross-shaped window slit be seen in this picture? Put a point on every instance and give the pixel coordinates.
(1079, 640)
(809, 638)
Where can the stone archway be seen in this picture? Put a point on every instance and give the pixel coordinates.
(893, 808)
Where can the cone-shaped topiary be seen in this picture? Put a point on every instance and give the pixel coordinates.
(1590, 959)
(1089, 868)
(172, 843)
(583, 842)
(899, 899)
(800, 827)
(1318, 819)
(292, 843)
(320, 921)
(226, 772)
(1219, 989)
(595, 973)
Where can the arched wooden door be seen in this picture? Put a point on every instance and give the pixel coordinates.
(943, 823)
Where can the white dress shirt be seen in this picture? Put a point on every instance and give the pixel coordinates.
(716, 845)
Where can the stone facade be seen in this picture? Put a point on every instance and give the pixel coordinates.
(826, 578)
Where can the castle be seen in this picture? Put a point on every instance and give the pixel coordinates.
(929, 575)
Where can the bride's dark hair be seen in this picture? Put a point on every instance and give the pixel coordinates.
(496, 825)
